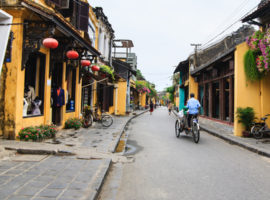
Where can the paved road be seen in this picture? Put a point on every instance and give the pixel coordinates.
(166, 167)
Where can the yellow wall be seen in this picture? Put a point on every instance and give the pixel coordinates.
(143, 100)
(193, 87)
(121, 98)
(249, 94)
(14, 90)
(176, 101)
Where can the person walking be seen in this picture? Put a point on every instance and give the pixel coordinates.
(170, 108)
(151, 107)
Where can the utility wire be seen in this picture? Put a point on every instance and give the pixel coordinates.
(229, 18)
(229, 26)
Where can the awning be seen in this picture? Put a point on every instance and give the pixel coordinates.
(263, 7)
(64, 26)
(182, 66)
(122, 68)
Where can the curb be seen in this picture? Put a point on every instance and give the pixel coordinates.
(99, 180)
(234, 142)
(113, 149)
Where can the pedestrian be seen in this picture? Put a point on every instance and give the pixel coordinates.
(170, 108)
(151, 107)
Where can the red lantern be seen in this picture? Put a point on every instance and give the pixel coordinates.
(85, 63)
(50, 43)
(95, 68)
(72, 54)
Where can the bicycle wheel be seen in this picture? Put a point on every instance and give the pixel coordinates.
(177, 128)
(195, 132)
(106, 120)
(255, 131)
(87, 121)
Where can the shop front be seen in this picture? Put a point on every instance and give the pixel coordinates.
(216, 89)
(41, 85)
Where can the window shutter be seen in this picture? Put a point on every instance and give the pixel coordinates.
(56, 2)
(64, 4)
(83, 16)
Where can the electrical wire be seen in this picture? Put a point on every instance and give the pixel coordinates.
(229, 27)
(229, 18)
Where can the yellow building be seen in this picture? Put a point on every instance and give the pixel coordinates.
(218, 81)
(33, 72)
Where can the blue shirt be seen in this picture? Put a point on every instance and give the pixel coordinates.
(193, 106)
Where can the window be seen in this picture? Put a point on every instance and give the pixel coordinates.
(91, 33)
(33, 103)
(71, 88)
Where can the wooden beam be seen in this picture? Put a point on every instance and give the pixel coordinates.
(221, 100)
(231, 99)
(210, 107)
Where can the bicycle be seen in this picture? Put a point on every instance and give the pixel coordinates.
(181, 125)
(259, 128)
(89, 116)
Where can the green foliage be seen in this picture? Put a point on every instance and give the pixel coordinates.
(139, 75)
(73, 123)
(245, 116)
(170, 90)
(37, 133)
(251, 70)
(107, 69)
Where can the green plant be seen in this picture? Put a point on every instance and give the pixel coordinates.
(245, 116)
(251, 69)
(37, 133)
(171, 90)
(73, 123)
(108, 70)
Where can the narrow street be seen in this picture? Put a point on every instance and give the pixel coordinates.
(166, 167)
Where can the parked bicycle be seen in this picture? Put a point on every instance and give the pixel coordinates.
(181, 125)
(89, 117)
(258, 129)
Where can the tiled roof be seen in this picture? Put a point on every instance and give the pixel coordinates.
(263, 3)
(262, 7)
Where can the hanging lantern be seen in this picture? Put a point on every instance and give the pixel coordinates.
(50, 43)
(95, 68)
(72, 54)
(85, 63)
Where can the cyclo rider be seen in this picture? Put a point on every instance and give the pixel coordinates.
(193, 106)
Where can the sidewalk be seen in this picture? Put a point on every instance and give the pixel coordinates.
(71, 167)
(225, 132)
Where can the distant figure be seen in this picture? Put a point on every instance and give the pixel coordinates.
(151, 107)
(170, 108)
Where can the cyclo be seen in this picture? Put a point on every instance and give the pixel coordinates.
(181, 124)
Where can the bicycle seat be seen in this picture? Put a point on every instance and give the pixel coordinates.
(264, 118)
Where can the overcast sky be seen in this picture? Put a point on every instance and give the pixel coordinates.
(162, 30)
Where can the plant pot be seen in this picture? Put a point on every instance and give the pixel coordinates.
(246, 133)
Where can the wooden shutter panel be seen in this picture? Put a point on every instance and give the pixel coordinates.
(56, 2)
(111, 96)
(64, 4)
(83, 16)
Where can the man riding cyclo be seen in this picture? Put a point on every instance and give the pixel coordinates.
(193, 106)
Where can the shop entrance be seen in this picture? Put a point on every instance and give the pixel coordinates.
(56, 97)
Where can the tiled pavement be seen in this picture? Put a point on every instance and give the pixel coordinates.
(78, 176)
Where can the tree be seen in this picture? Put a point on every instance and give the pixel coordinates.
(139, 75)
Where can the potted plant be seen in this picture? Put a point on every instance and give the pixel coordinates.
(245, 116)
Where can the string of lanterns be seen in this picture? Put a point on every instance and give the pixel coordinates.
(52, 43)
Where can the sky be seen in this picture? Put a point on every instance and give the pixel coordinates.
(162, 31)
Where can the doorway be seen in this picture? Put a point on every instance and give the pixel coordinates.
(57, 80)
